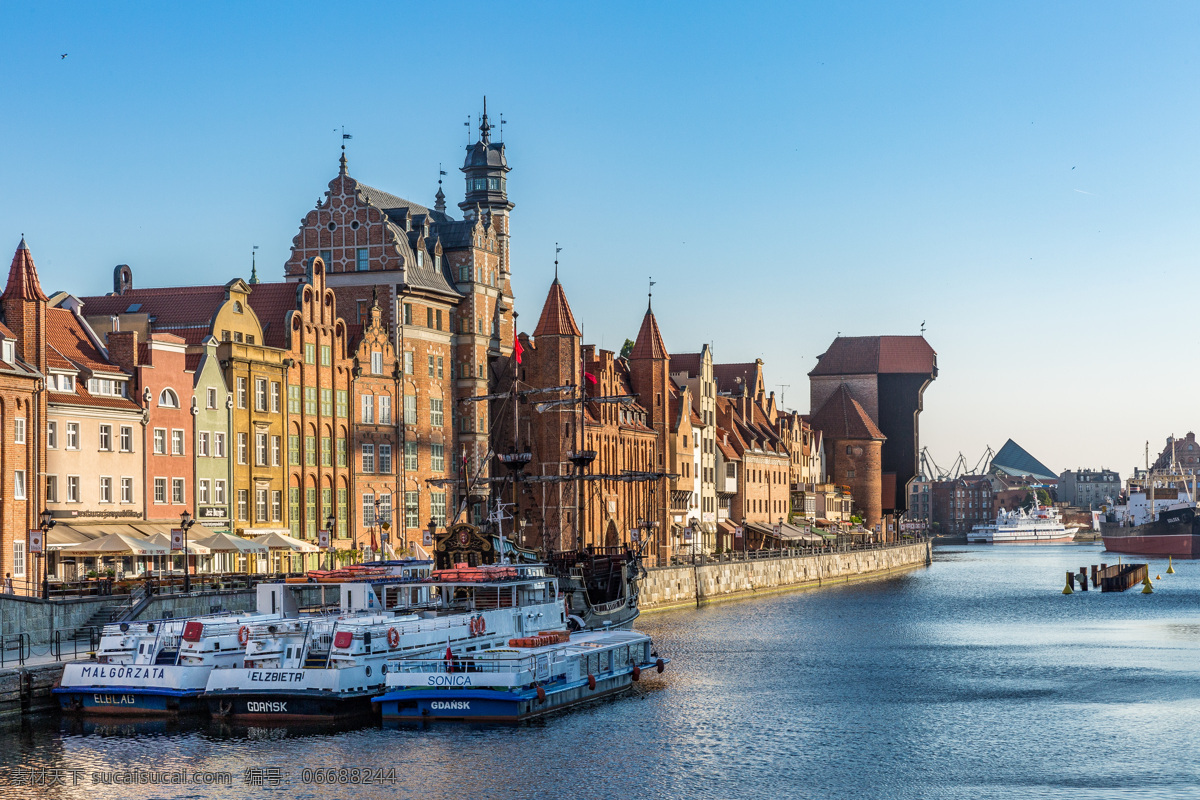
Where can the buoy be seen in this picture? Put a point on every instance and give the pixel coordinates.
(591, 681)
(1158, 577)
(637, 672)
(541, 695)
(1067, 589)
(1146, 587)
(1170, 566)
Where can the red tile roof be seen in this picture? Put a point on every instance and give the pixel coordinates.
(687, 362)
(726, 376)
(843, 418)
(23, 281)
(649, 342)
(272, 302)
(170, 306)
(556, 319)
(866, 355)
(67, 337)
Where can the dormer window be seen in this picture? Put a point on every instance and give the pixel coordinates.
(9, 352)
(437, 262)
(420, 258)
(237, 307)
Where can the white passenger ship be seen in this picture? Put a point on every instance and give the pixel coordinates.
(332, 667)
(1040, 525)
(160, 667)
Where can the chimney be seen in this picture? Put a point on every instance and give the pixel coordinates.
(123, 349)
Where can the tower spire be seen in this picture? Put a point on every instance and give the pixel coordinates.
(484, 127)
(253, 267)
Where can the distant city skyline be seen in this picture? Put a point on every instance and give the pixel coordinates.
(1019, 178)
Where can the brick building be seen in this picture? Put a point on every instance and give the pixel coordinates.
(445, 290)
(887, 376)
(620, 432)
(22, 417)
(853, 451)
(962, 503)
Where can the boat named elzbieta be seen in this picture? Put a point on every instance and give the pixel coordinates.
(1039, 525)
(1158, 519)
(161, 667)
(530, 677)
(330, 668)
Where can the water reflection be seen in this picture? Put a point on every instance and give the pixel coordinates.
(974, 678)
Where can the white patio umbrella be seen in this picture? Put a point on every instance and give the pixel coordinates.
(225, 543)
(278, 541)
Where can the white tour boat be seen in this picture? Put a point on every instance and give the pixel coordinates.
(332, 667)
(1040, 525)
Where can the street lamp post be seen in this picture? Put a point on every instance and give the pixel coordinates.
(330, 523)
(47, 522)
(186, 522)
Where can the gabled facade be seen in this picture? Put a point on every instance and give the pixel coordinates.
(445, 291)
(212, 404)
(379, 468)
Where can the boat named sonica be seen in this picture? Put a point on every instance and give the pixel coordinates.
(531, 677)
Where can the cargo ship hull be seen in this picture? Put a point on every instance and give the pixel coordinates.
(1176, 536)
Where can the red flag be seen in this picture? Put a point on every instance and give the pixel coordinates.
(517, 349)
(590, 377)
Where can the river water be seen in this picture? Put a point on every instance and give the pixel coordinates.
(973, 678)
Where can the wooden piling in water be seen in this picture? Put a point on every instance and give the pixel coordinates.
(1083, 581)
(1071, 580)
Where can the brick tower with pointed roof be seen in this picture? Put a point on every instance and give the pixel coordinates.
(854, 452)
(22, 418)
(650, 375)
(551, 358)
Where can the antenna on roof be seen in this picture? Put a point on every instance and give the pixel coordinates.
(502, 121)
(468, 125)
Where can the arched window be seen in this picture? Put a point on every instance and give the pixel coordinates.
(237, 307)
(168, 399)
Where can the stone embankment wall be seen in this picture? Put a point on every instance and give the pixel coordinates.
(39, 619)
(671, 587)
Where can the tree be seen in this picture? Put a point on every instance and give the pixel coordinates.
(1043, 497)
(627, 348)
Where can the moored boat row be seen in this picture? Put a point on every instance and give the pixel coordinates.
(283, 664)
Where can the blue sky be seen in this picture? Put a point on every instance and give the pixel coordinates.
(1021, 177)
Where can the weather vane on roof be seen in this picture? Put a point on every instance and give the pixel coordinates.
(557, 250)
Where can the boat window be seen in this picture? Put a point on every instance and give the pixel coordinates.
(217, 644)
(289, 652)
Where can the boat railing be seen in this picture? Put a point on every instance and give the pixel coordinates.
(470, 663)
(609, 607)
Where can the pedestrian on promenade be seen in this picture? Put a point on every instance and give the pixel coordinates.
(8, 584)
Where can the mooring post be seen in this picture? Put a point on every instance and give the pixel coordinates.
(1071, 580)
(1083, 582)
(1093, 574)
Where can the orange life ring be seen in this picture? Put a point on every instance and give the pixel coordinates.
(243, 635)
(471, 626)
(393, 637)
(481, 626)
(541, 695)
(591, 681)
(637, 672)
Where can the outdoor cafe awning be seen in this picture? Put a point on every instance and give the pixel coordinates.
(194, 548)
(225, 543)
(278, 541)
(115, 544)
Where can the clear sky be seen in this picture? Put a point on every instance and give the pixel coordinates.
(1022, 177)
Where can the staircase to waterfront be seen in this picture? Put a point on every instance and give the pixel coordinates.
(106, 614)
